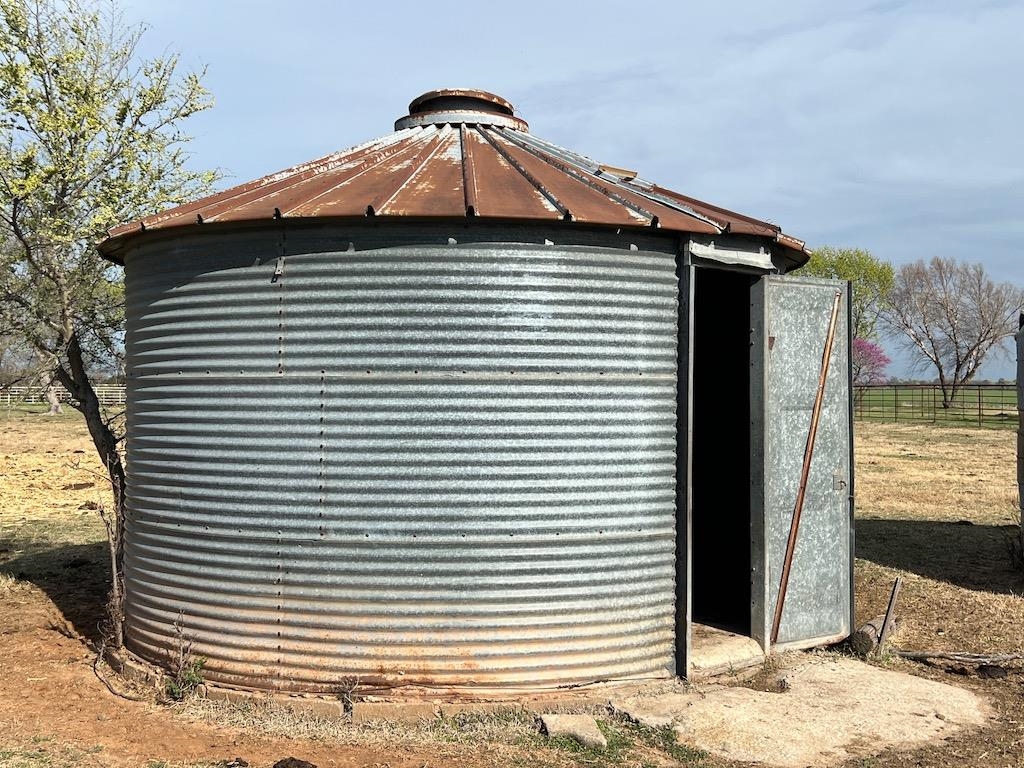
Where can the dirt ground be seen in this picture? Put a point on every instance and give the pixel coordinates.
(934, 505)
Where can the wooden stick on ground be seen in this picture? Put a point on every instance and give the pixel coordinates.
(889, 618)
(963, 658)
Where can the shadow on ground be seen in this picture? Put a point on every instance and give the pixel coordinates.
(76, 577)
(965, 555)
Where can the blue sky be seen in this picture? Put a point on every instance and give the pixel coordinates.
(893, 126)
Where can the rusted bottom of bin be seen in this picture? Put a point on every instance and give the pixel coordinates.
(404, 704)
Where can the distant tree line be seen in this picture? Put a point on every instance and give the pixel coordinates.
(946, 314)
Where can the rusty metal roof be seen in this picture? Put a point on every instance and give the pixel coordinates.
(460, 153)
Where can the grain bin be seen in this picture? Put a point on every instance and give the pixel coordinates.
(407, 414)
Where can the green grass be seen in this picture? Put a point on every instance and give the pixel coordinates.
(624, 738)
(21, 409)
(44, 754)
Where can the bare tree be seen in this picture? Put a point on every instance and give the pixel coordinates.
(950, 315)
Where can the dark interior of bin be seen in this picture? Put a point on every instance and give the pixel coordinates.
(720, 539)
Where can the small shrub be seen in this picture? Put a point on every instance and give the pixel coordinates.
(185, 667)
(186, 679)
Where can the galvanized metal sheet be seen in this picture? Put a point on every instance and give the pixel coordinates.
(447, 466)
(790, 319)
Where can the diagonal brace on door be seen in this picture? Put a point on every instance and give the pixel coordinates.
(812, 433)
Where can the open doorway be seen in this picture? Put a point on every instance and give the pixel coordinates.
(758, 339)
(720, 545)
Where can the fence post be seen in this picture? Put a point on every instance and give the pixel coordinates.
(895, 402)
(1020, 421)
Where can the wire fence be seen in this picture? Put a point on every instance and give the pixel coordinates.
(981, 405)
(13, 396)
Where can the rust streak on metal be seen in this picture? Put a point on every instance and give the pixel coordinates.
(737, 222)
(504, 173)
(501, 191)
(398, 181)
(468, 172)
(562, 209)
(587, 204)
(436, 190)
(244, 197)
(671, 215)
(366, 170)
(565, 168)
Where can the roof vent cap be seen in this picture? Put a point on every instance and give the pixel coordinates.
(461, 105)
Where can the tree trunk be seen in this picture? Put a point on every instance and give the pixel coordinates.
(947, 398)
(53, 398)
(866, 639)
(76, 380)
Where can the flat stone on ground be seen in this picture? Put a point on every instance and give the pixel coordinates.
(654, 711)
(582, 728)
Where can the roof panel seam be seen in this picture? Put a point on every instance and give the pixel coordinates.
(303, 171)
(559, 206)
(468, 172)
(561, 166)
(366, 166)
(439, 141)
(589, 166)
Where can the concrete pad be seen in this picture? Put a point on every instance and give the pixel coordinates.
(716, 651)
(653, 711)
(582, 728)
(835, 709)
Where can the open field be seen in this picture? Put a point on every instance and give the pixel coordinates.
(936, 505)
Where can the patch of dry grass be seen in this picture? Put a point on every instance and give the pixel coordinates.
(936, 505)
(939, 507)
(925, 472)
(509, 736)
(50, 469)
(276, 718)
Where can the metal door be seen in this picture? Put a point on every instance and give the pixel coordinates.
(801, 462)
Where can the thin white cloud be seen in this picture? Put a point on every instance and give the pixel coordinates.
(891, 125)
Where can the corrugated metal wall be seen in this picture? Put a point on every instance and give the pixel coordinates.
(429, 465)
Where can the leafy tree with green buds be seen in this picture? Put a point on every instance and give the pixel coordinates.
(90, 136)
(871, 279)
